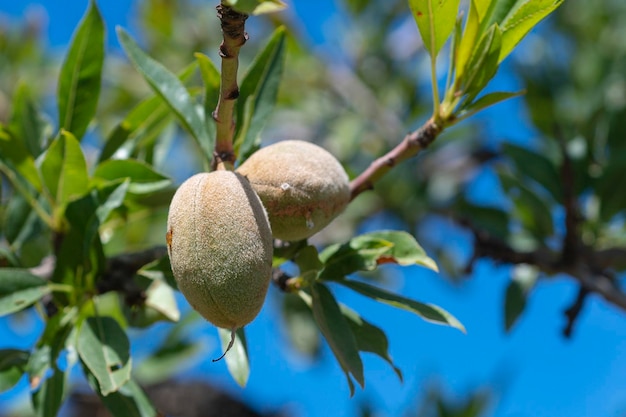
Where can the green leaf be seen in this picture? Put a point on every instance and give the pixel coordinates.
(21, 223)
(428, 312)
(367, 251)
(19, 289)
(211, 80)
(468, 40)
(48, 398)
(256, 7)
(524, 17)
(146, 118)
(15, 155)
(483, 64)
(80, 77)
(237, 360)
(523, 280)
(302, 330)
(536, 167)
(435, 20)
(486, 101)
(173, 92)
(143, 179)
(110, 198)
(369, 338)
(129, 400)
(27, 123)
(104, 349)
(337, 332)
(12, 367)
(159, 304)
(258, 93)
(533, 211)
(64, 169)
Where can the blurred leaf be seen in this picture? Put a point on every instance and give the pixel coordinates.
(159, 269)
(258, 93)
(435, 20)
(38, 364)
(111, 197)
(537, 167)
(522, 281)
(21, 223)
(256, 7)
(170, 358)
(428, 312)
(302, 331)
(367, 251)
(308, 262)
(159, 304)
(19, 289)
(12, 367)
(27, 123)
(143, 178)
(128, 401)
(15, 155)
(64, 169)
(211, 80)
(147, 116)
(525, 15)
(80, 77)
(489, 219)
(337, 332)
(48, 398)
(104, 349)
(237, 360)
(369, 338)
(173, 92)
(533, 212)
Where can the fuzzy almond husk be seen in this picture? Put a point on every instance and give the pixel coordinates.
(302, 186)
(220, 247)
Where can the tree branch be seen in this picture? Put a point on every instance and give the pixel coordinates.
(410, 146)
(233, 30)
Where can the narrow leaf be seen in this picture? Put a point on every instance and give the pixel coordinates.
(428, 312)
(104, 349)
(172, 90)
(15, 155)
(237, 360)
(486, 101)
(435, 20)
(64, 169)
(468, 40)
(211, 80)
(19, 289)
(483, 64)
(337, 332)
(12, 366)
(29, 125)
(143, 178)
(258, 93)
(256, 7)
(48, 398)
(128, 401)
(80, 77)
(523, 279)
(145, 118)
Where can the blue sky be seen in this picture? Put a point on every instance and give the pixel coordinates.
(532, 371)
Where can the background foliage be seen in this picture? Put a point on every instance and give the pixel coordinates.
(545, 202)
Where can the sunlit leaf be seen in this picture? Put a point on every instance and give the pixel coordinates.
(19, 289)
(237, 360)
(146, 117)
(256, 7)
(173, 91)
(104, 349)
(483, 64)
(258, 93)
(435, 20)
(80, 77)
(64, 169)
(428, 312)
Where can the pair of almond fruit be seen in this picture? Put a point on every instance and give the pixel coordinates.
(221, 225)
